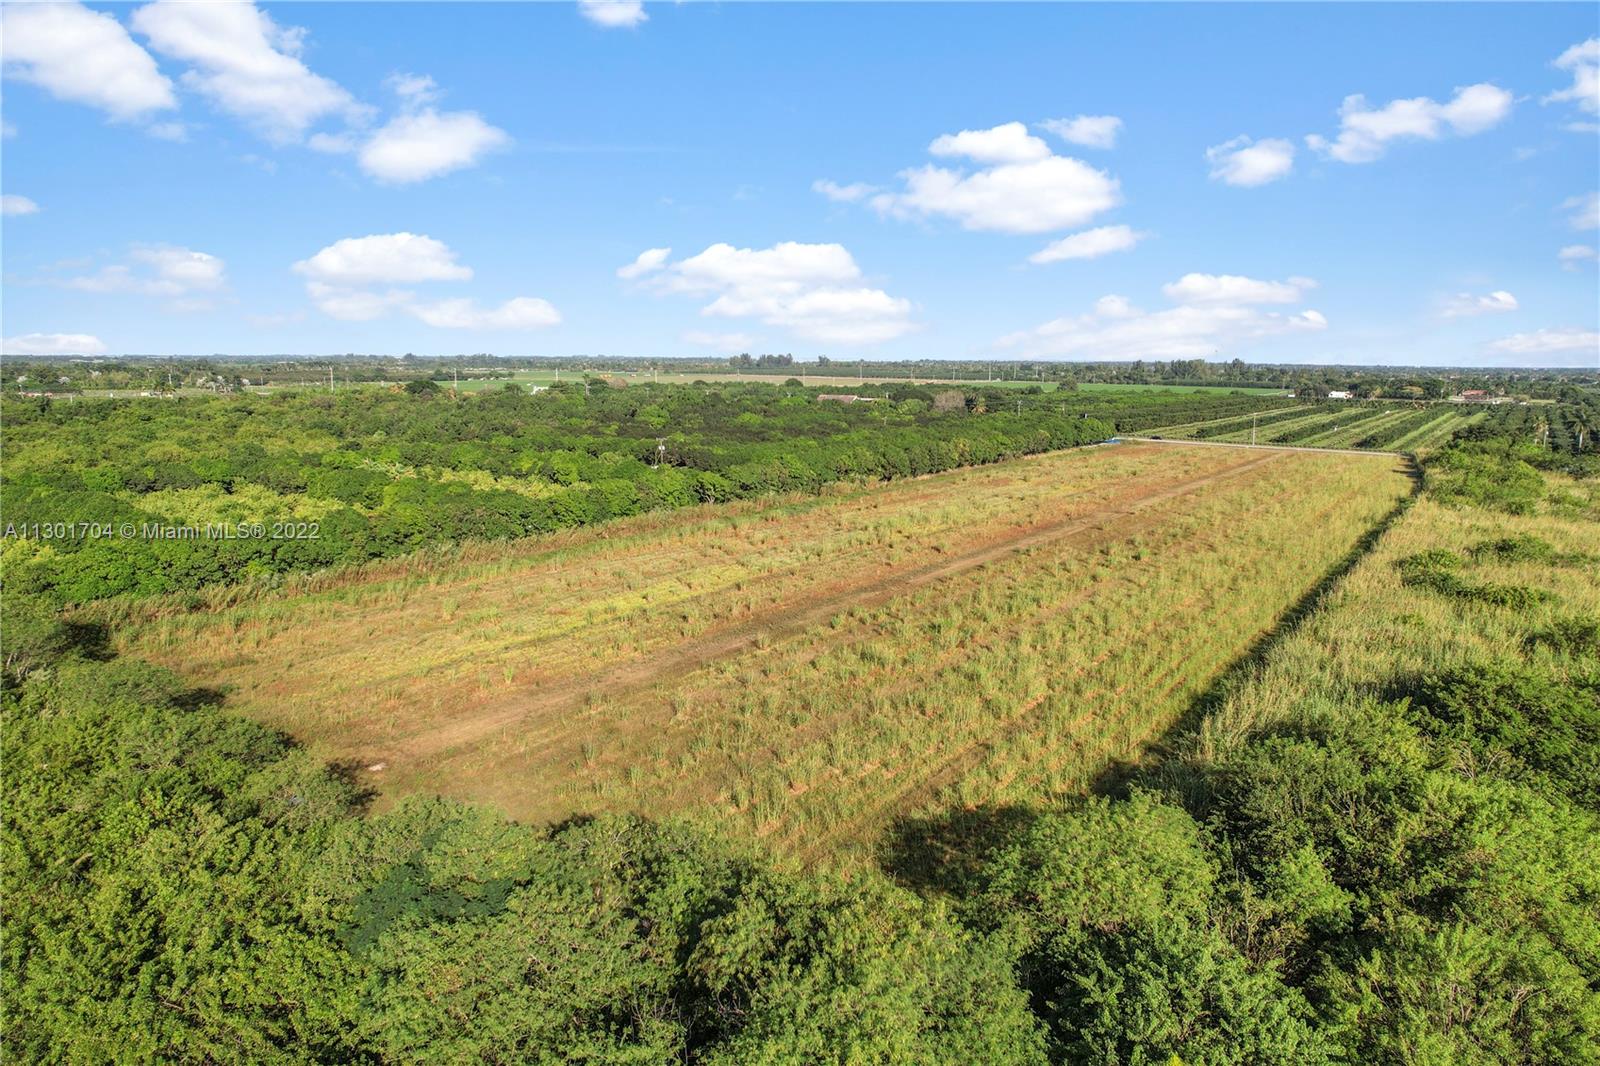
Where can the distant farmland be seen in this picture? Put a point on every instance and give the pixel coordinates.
(805, 670)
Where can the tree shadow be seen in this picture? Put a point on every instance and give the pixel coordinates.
(943, 853)
(91, 640)
(348, 772)
(194, 699)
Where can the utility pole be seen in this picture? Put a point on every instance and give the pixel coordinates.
(661, 452)
(330, 377)
(1253, 416)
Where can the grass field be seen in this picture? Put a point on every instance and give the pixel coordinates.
(1373, 630)
(802, 670)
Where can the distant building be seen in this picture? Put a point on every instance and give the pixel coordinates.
(1338, 395)
(844, 397)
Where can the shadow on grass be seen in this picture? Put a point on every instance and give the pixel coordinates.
(91, 640)
(941, 853)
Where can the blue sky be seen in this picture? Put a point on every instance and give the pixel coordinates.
(857, 180)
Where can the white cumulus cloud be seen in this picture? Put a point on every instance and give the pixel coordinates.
(647, 262)
(417, 146)
(1550, 342)
(415, 90)
(1574, 255)
(523, 312)
(1212, 312)
(843, 194)
(1249, 163)
(814, 290)
(83, 56)
(1235, 289)
(11, 204)
(1466, 305)
(1018, 186)
(246, 64)
(1090, 244)
(354, 305)
(1008, 143)
(1365, 132)
(1091, 131)
(1585, 211)
(347, 280)
(53, 344)
(182, 275)
(386, 257)
(613, 14)
(1582, 61)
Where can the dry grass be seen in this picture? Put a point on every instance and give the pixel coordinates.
(805, 670)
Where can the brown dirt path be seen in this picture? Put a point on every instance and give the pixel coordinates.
(691, 655)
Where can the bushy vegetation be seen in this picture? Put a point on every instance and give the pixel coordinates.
(1387, 869)
(371, 473)
(1439, 569)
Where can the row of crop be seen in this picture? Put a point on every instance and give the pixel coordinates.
(1202, 406)
(1392, 431)
(1572, 429)
(1236, 425)
(1329, 423)
(1346, 434)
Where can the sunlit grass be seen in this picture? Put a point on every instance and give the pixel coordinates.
(1015, 680)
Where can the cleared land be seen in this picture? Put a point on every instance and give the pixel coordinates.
(804, 669)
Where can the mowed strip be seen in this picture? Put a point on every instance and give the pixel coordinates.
(809, 669)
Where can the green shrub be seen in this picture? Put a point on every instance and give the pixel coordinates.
(1579, 635)
(1432, 569)
(1110, 904)
(1522, 721)
(1495, 474)
(1437, 569)
(1517, 549)
(1517, 597)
